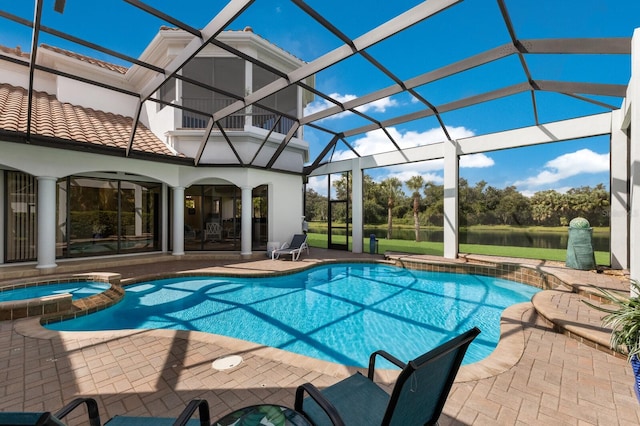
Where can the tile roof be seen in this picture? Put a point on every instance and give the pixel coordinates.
(102, 64)
(55, 119)
(17, 51)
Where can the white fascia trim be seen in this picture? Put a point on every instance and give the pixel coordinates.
(256, 136)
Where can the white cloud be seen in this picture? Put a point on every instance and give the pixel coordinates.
(432, 170)
(376, 141)
(426, 177)
(476, 161)
(380, 105)
(565, 166)
(318, 184)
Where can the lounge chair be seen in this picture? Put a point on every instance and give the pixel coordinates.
(294, 248)
(48, 419)
(417, 398)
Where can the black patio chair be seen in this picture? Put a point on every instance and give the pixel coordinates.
(418, 396)
(183, 419)
(48, 419)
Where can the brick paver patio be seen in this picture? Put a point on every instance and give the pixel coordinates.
(542, 377)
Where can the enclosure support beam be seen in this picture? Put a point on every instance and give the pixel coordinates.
(356, 206)
(451, 171)
(619, 218)
(633, 99)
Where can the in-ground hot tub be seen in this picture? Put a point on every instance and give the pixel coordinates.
(59, 296)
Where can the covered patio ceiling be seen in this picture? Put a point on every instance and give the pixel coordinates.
(518, 66)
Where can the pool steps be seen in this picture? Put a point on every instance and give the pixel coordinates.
(561, 304)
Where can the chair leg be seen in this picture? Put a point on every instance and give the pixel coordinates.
(92, 410)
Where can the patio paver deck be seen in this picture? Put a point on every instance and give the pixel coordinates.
(537, 376)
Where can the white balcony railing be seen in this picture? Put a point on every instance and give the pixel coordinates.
(259, 117)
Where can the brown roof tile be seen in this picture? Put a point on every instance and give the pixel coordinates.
(17, 51)
(55, 119)
(102, 64)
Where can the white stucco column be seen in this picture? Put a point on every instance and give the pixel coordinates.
(46, 211)
(619, 219)
(633, 99)
(245, 221)
(356, 206)
(451, 168)
(178, 221)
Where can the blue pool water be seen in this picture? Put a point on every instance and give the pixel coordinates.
(338, 312)
(78, 290)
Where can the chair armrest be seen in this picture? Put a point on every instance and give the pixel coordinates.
(386, 355)
(317, 396)
(203, 411)
(92, 410)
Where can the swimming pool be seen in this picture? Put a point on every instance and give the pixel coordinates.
(77, 289)
(337, 312)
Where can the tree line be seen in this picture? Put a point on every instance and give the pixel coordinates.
(480, 204)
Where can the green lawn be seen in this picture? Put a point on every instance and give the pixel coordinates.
(437, 249)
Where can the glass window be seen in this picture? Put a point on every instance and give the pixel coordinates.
(226, 74)
(260, 202)
(285, 101)
(212, 218)
(21, 217)
(93, 213)
(101, 217)
(167, 92)
(139, 217)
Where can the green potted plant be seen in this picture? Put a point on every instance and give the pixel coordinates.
(623, 317)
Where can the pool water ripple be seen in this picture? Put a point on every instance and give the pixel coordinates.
(338, 312)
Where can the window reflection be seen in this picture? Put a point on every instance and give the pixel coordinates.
(102, 216)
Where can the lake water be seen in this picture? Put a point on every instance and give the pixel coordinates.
(514, 238)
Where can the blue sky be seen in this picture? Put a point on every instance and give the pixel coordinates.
(468, 28)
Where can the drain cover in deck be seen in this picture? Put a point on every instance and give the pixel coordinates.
(226, 362)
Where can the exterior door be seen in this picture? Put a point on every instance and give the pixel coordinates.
(338, 230)
(339, 210)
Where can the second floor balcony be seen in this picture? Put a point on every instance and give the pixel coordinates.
(253, 116)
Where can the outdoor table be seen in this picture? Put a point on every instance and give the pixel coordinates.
(264, 414)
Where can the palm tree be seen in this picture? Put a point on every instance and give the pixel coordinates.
(392, 189)
(415, 184)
